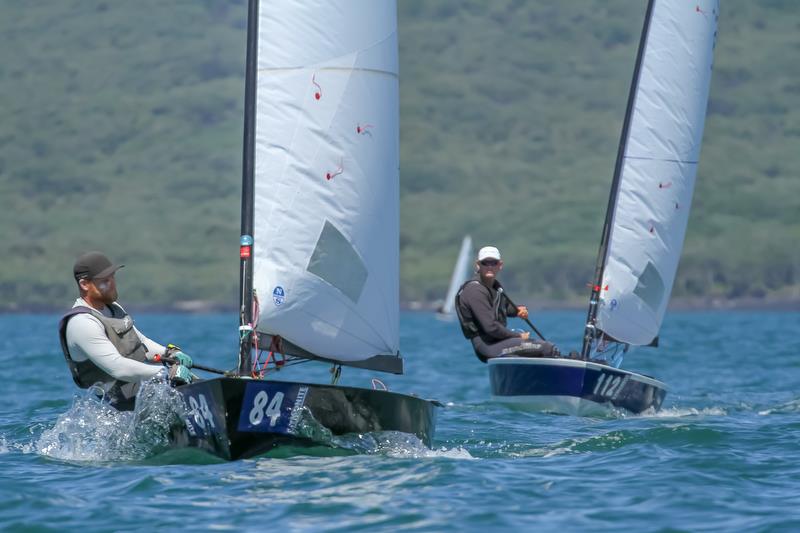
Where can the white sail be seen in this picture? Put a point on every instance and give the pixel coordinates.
(326, 213)
(461, 272)
(659, 168)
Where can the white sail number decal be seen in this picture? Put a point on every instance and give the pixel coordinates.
(264, 407)
(200, 413)
(609, 386)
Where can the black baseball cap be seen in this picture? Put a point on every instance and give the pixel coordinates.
(94, 265)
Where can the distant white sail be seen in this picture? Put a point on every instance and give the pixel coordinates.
(659, 168)
(326, 254)
(461, 272)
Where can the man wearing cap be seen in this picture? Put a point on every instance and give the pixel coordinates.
(482, 311)
(101, 344)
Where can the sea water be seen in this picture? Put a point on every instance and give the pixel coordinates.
(723, 453)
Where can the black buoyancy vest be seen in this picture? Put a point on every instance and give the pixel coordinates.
(119, 329)
(469, 326)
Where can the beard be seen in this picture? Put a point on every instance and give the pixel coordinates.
(110, 296)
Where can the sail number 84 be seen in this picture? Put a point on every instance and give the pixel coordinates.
(264, 407)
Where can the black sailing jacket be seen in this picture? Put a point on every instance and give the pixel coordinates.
(482, 312)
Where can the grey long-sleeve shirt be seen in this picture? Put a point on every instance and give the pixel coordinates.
(87, 339)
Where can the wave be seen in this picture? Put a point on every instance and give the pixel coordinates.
(792, 406)
(672, 412)
(666, 436)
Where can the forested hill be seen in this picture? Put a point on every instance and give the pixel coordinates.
(121, 130)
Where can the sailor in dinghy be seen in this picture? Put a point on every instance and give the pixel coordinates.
(101, 345)
(644, 228)
(482, 310)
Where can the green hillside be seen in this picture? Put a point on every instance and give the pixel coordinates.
(121, 126)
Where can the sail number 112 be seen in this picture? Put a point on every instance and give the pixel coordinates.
(609, 386)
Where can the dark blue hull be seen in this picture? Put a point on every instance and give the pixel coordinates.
(572, 387)
(235, 418)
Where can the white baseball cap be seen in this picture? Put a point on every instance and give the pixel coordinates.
(488, 252)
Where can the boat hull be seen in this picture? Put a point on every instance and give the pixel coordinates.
(572, 387)
(235, 418)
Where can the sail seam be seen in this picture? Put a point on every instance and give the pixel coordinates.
(660, 159)
(342, 69)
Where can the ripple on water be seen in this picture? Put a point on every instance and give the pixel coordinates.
(722, 455)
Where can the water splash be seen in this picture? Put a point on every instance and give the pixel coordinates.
(93, 431)
(389, 443)
(397, 445)
(309, 428)
(159, 407)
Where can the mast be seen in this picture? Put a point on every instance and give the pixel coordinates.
(248, 163)
(590, 332)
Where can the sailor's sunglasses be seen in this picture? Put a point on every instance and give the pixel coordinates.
(103, 283)
(490, 262)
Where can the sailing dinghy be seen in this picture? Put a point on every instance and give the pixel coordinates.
(461, 273)
(320, 232)
(644, 229)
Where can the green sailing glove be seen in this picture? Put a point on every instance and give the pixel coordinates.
(182, 359)
(175, 353)
(179, 374)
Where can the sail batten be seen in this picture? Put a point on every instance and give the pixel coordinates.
(660, 151)
(326, 260)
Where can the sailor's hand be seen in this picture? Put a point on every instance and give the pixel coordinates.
(182, 359)
(179, 374)
(174, 353)
(525, 335)
(522, 311)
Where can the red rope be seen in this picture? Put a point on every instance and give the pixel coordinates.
(275, 348)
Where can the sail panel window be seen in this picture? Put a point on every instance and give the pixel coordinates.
(650, 287)
(335, 260)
